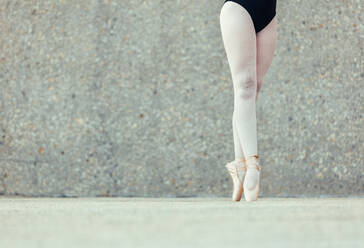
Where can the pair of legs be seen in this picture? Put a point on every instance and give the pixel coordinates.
(249, 56)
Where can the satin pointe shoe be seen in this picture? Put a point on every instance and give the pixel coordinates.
(252, 178)
(236, 171)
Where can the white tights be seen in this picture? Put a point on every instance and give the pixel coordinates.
(249, 56)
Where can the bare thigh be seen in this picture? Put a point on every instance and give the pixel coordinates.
(266, 43)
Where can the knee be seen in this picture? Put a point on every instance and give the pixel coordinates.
(259, 85)
(246, 85)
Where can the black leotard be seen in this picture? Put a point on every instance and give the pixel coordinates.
(261, 11)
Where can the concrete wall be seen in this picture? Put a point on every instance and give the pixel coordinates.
(134, 98)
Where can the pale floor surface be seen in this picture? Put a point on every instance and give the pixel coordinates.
(181, 222)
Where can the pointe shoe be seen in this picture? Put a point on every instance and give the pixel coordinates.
(236, 171)
(251, 187)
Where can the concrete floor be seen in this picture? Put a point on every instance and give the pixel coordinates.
(181, 222)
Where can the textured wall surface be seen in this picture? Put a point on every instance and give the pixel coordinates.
(134, 98)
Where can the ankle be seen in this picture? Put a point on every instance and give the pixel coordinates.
(252, 158)
(240, 160)
(252, 161)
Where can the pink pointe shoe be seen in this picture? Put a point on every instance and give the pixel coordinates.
(252, 178)
(236, 171)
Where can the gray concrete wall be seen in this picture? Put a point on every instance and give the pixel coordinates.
(134, 98)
